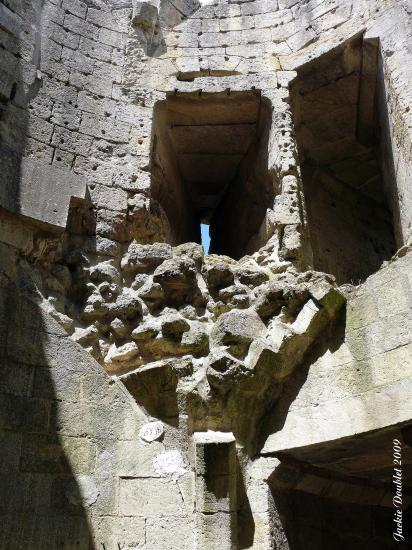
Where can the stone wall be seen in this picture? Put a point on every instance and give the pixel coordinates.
(107, 453)
(75, 473)
(359, 379)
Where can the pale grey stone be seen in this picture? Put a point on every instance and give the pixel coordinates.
(151, 431)
(170, 465)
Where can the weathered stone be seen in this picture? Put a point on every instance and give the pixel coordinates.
(293, 146)
(219, 275)
(147, 330)
(126, 354)
(86, 336)
(128, 304)
(104, 271)
(119, 327)
(192, 251)
(170, 465)
(152, 294)
(173, 325)
(145, 257)
(38, 191)
(252, 276)
(137, 497)
(235, 296)
(176, 274)
(151, 431)
(236, 330)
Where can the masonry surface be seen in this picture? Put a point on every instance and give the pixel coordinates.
(152, 396)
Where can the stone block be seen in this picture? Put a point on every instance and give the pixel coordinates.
(301, 39)
(113, 533)
(71, 495)
(24, 344)
(111, 225)
(76, 61)
(263, 535)
(237, 330)
(136, 459)
(16, 378)
(273, 19)
(40, 129)
(223, 10)
(259, 497)
(80, 26)
(80, 454)
(10, 21)
(101, 128)
(171, 533)
(286, 209)
(213, 494)
(38, 191)
(95, 50)
(150, 497)
(15, 233)
(111, 38)
(63, 36)
(216, 531)
(75, 7)
(25, 493)
(11, 447)
(43, 454)
(109, 197)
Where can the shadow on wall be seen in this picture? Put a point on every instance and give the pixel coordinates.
(41, 503)
(16, 93)
(275, 419)
(245, 522)
(342, 131)
(149, 22)
(311, 521)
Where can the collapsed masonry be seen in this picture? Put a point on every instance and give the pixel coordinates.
(246, 398)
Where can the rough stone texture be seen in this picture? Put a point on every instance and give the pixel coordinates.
(286, 126)
(367, 356)
(42, 193)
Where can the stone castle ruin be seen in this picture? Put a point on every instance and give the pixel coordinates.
(157, 396)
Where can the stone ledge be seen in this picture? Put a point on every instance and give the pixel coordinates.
(205, 438)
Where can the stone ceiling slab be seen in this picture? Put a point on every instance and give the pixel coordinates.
(237, 109)
(231, 138)
(210, 168)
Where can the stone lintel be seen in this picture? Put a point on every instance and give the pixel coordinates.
(210, 437)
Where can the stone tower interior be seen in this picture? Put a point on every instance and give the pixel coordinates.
(157, 397)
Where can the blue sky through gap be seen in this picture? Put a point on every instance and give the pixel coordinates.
(204, 229)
